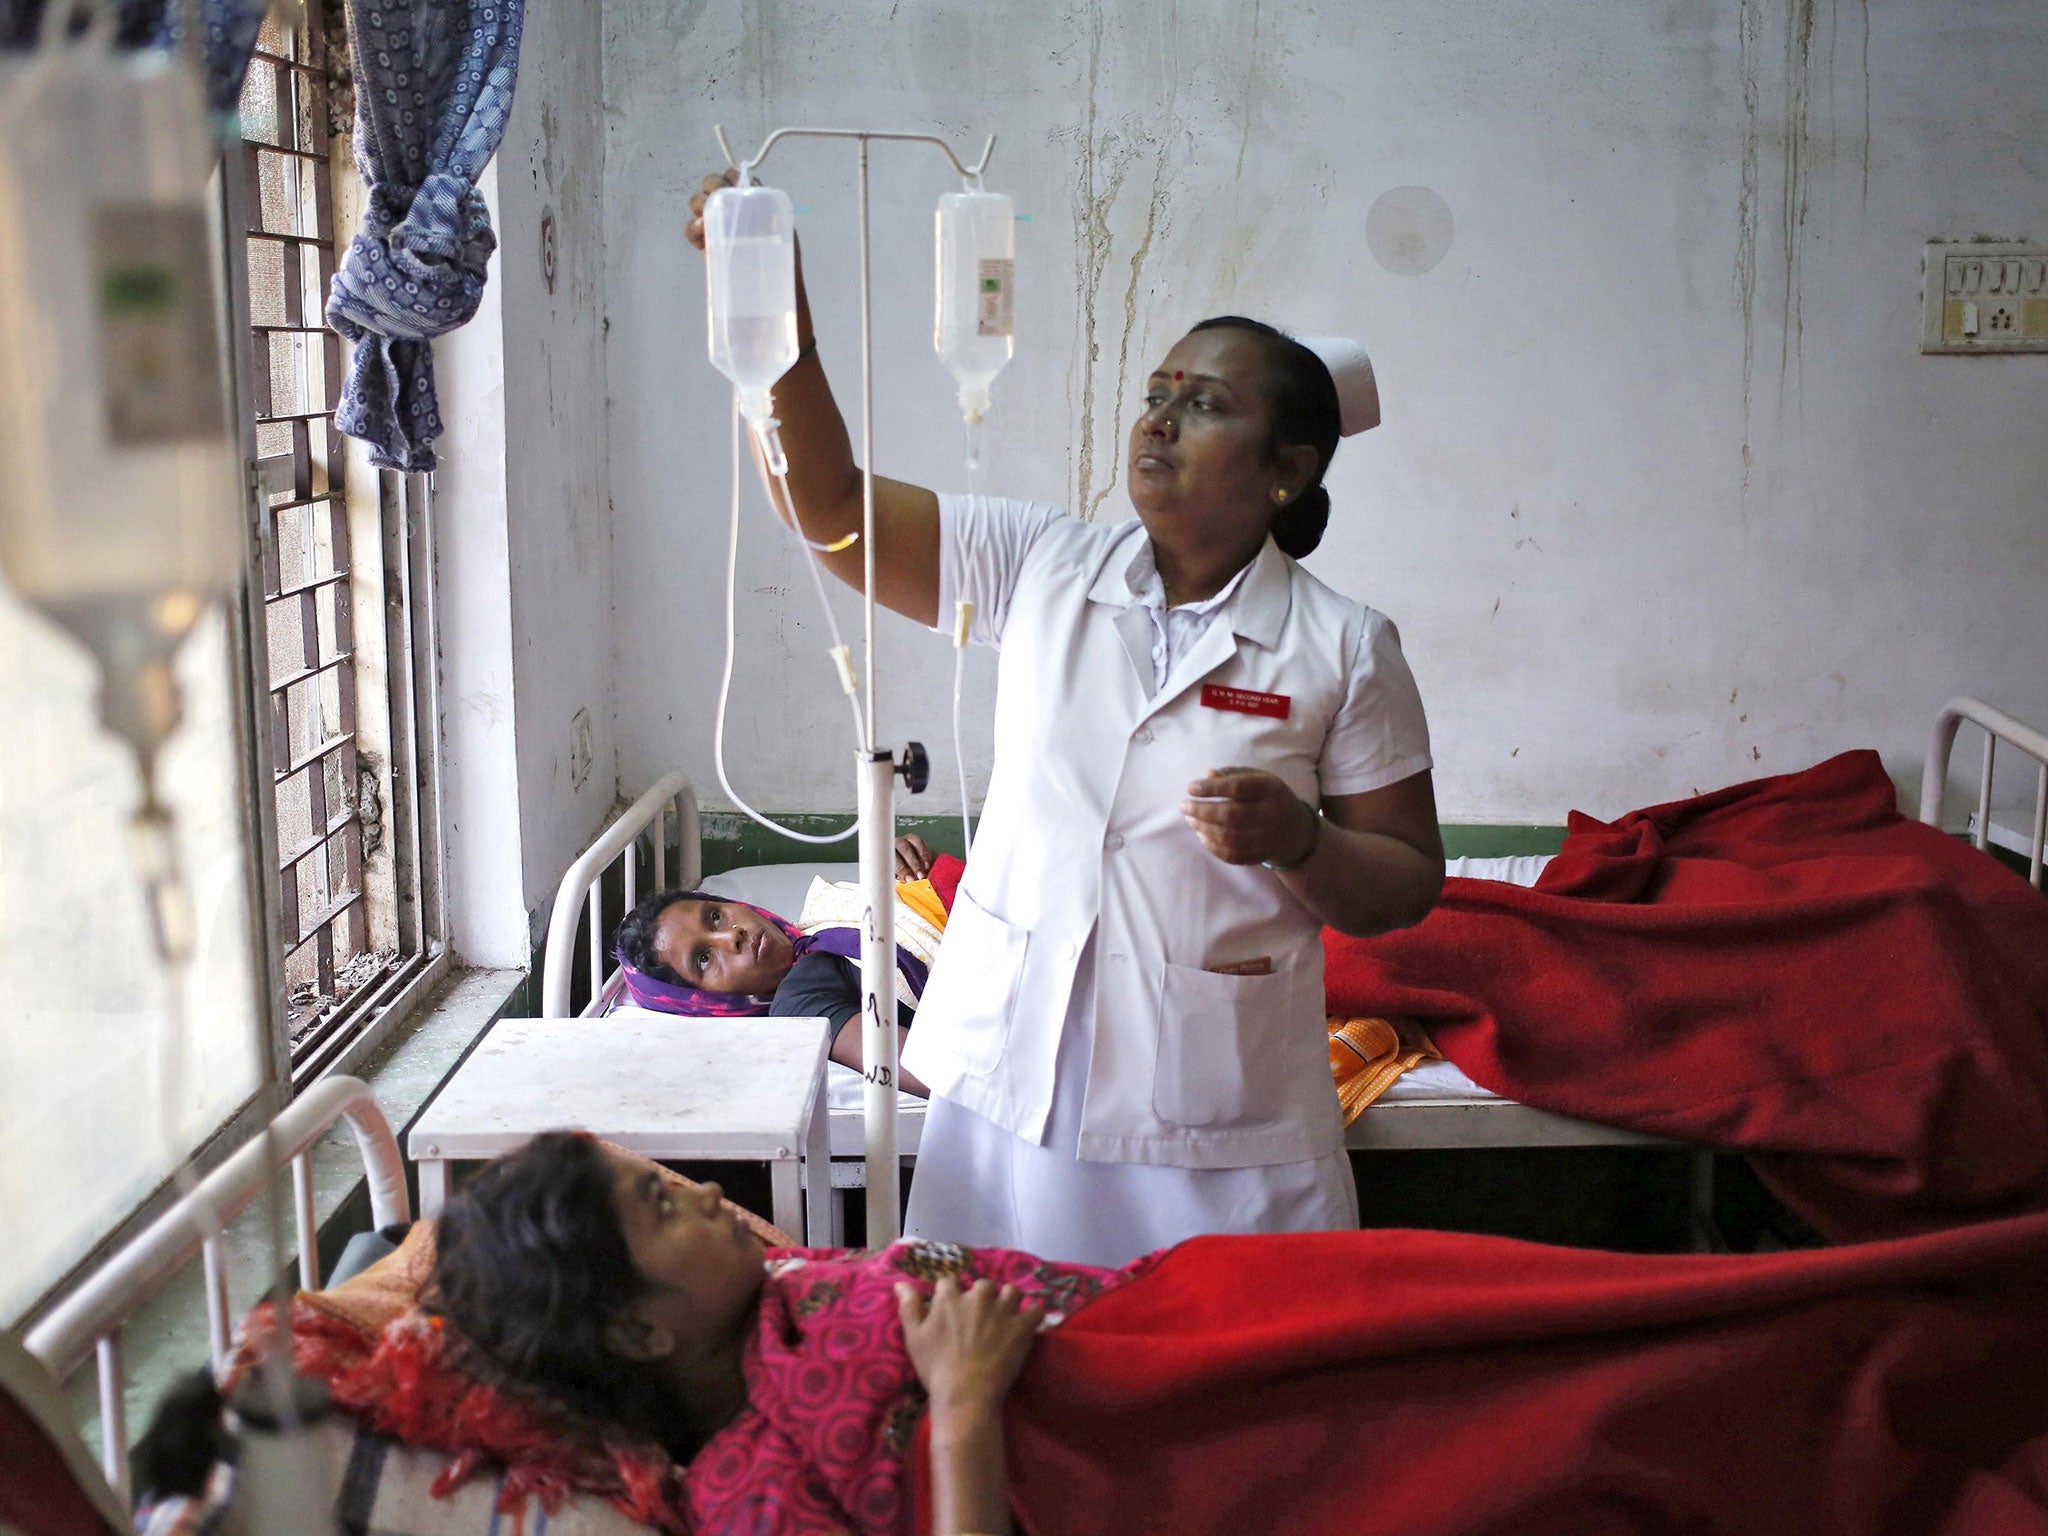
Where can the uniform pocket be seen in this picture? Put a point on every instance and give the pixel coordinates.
(973, 988)
(1236, 1050)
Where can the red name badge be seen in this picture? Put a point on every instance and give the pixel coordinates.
(1246, 701)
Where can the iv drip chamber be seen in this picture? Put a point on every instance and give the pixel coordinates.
(118, 472)
(121, 498)
(977, 249)
(750, 277)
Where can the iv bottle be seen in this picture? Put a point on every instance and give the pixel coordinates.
(750, 273)
(121, 501)
(977, 249)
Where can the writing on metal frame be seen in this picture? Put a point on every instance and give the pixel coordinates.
(876, 1072)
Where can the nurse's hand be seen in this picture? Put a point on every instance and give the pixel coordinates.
(694, 230)
(1249, 816)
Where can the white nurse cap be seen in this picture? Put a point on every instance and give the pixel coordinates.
(1358, 395)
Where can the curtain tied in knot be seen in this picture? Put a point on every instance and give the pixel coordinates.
(416, 270)
(434, 85)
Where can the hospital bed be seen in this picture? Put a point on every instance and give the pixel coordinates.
(659, 836)
(656, 843)
(87, 1325)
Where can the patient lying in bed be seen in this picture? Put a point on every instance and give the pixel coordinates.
(594, 1323)
(689, 952)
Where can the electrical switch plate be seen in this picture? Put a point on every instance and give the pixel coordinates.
(1985, 298)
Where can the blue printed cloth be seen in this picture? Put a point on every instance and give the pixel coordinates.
(434, 85)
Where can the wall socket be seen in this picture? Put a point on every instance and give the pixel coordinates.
(1985, 297)
(580, 755)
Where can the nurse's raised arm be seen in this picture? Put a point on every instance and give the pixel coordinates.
(825, 482)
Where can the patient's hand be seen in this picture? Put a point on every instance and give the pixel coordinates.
(968, 1346)
(913, 857)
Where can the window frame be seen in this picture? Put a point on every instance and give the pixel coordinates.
(392, 517)
(385, 520)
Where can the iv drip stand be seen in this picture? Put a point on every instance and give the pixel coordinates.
(875, 766)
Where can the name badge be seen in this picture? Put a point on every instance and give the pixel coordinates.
(1246, 701)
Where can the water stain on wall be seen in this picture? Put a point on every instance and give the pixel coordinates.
(1247, 105)
(1107, 156)
(1805, 151)
(1799, 20)
(1749, 23)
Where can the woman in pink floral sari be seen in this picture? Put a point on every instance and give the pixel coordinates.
(592, 1323)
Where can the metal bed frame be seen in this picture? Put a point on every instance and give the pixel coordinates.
(640, 833)
(636, 841)
(1997, 726)
(89, 1322)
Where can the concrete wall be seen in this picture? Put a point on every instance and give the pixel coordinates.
(480, 787)
(1665, 497)
(551, 167)
(524, 569)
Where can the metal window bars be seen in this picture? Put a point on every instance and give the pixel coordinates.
(322, 925)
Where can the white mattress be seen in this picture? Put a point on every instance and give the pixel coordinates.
(781, 888)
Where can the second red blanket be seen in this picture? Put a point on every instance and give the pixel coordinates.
(1438, 1384)
(1787, 968)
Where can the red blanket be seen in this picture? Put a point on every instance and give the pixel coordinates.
(1437, 1384)
(1788, 968)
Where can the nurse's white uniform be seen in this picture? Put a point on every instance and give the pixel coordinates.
(1098, 1089)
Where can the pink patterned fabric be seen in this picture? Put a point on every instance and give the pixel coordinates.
(823, 1448)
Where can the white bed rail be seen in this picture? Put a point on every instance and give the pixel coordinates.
(91, 1319)
(582, 890)
(1997, 726)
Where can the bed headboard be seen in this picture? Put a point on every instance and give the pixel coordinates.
(1998, 727)
(580, 898)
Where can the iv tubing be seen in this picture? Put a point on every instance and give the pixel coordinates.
(732, 576)
(963, 620)
(963, 616)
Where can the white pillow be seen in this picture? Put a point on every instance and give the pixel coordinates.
(778, 888)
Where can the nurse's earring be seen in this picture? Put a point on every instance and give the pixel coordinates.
(1280, 496)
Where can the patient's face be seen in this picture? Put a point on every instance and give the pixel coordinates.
(722, 946)
(702, 1263)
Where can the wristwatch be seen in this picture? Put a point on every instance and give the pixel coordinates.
(1315, 838)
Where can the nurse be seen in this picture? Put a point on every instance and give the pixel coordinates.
(1202, 755)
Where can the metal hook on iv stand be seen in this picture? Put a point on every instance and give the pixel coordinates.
(876, 767)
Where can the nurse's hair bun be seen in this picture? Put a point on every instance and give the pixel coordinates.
(1298, 526)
